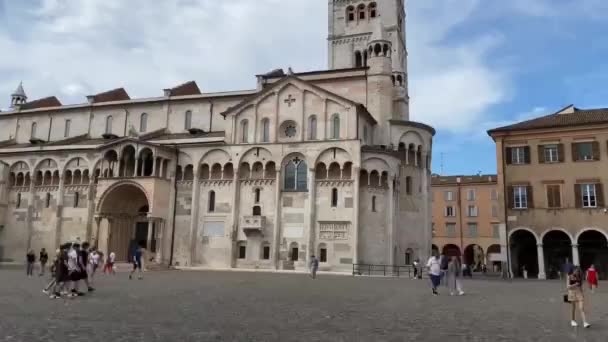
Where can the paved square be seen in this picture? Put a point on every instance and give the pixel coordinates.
(233, 306)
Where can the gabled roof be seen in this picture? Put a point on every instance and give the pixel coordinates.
(566, 117)
(279, 84)
(46, 102)
(118, 94)
(188, 88)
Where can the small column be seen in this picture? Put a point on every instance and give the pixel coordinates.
(153, 166)
(575, 256)
(97, 230)
(30, 212)
(91, 207)
(277, 221)
(194, 215)
(149, 239)
(391, 214)
(136, 167)
(541, 262)
(311, 214)
(356, 191)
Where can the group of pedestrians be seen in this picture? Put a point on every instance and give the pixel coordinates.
(448, 270)
(73, 264)
(31, 262)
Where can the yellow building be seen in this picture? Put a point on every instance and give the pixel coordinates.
(466, 219)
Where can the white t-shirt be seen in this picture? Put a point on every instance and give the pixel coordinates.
(112, 257)
(434, 266)
(94, 258)
(72, 260)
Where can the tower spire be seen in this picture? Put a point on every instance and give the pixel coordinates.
(18, 97)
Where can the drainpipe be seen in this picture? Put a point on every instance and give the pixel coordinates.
(460, 214)
(505, 197)
(174, 205)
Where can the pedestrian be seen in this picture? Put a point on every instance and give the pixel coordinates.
(137, 263)
(314, 266)
(44, 257)
(93, 263)
(443, 263)
(416, 264)
(592, 278)
(31, 259)
(434, 267)
(54, 265)
(74, 271)
(109, 266)
(575, 296)
(453, 276)
(83, 263)
(524, 270)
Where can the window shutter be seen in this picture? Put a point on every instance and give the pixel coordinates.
(511, 197)
(541, 154)
(578, 200)
(550, 196)
(530, 203)
(596, 150)
(557, 200)
(508, 156)
(560, 152)
(526, 154)
(599, 195)
(574, 154)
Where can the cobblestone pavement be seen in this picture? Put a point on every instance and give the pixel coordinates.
(234, 306)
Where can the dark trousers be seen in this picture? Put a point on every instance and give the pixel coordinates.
(30, 268)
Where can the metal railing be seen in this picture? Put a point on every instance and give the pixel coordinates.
(386, 270)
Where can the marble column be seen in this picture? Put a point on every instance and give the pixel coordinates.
(277, 221)
(541, 262)
(311, 206)
(576, 261)
(355, 228)
(136, 167)
(391, 215)
(59, 212)
(30, 212)
(196, 191)
(153, 166)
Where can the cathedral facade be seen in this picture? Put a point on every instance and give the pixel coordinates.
(323, 163)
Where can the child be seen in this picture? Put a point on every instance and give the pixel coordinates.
(592, 278)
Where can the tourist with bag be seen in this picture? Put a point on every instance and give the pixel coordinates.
(575, 296)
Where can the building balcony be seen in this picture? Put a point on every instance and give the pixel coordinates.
(253, 224)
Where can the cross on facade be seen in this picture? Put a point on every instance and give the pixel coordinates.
(289, 100)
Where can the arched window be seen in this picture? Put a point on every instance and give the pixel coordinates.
(358, 59)
(295, 175)
(322, 252)
(242, 249)
(365, 58)
(265, 251)
(350, 13)
(18, 204)
(312, 128)
(244, 131)
(109, 124)
(257, 211)
(294, 251)
(361, 12)
(76, 199)
(48, 200)
(66, 131)
(374, 204)
(335, 127)
(188, 120)
(143, 123)
(334, 198)
(33, 130)
(265, 130)
(211, 201)
(257, 195)
(373, 12)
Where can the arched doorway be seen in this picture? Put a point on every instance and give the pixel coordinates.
(493, 256)
(473, 256)
(125, 210)
(557, 247)
(593, 249)
(451, 250)
(524, 253)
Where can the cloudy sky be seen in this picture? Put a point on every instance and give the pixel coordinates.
(474, 64)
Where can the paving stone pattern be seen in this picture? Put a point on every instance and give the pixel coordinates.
(233, 306)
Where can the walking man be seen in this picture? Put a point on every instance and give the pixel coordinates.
(137, 263)
(314, 266)
(31, 259)
(44, 257)
(434, 272)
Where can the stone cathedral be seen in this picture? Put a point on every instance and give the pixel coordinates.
(320, 162)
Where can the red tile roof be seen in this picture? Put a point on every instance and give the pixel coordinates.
(578, 117)
(46, 102)
(119, 94)
(188, 88)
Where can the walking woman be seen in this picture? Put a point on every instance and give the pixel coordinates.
(575, 296)
(453, 276)
(592, 278)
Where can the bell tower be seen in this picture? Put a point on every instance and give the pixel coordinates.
(351, 27)
(18, 97)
